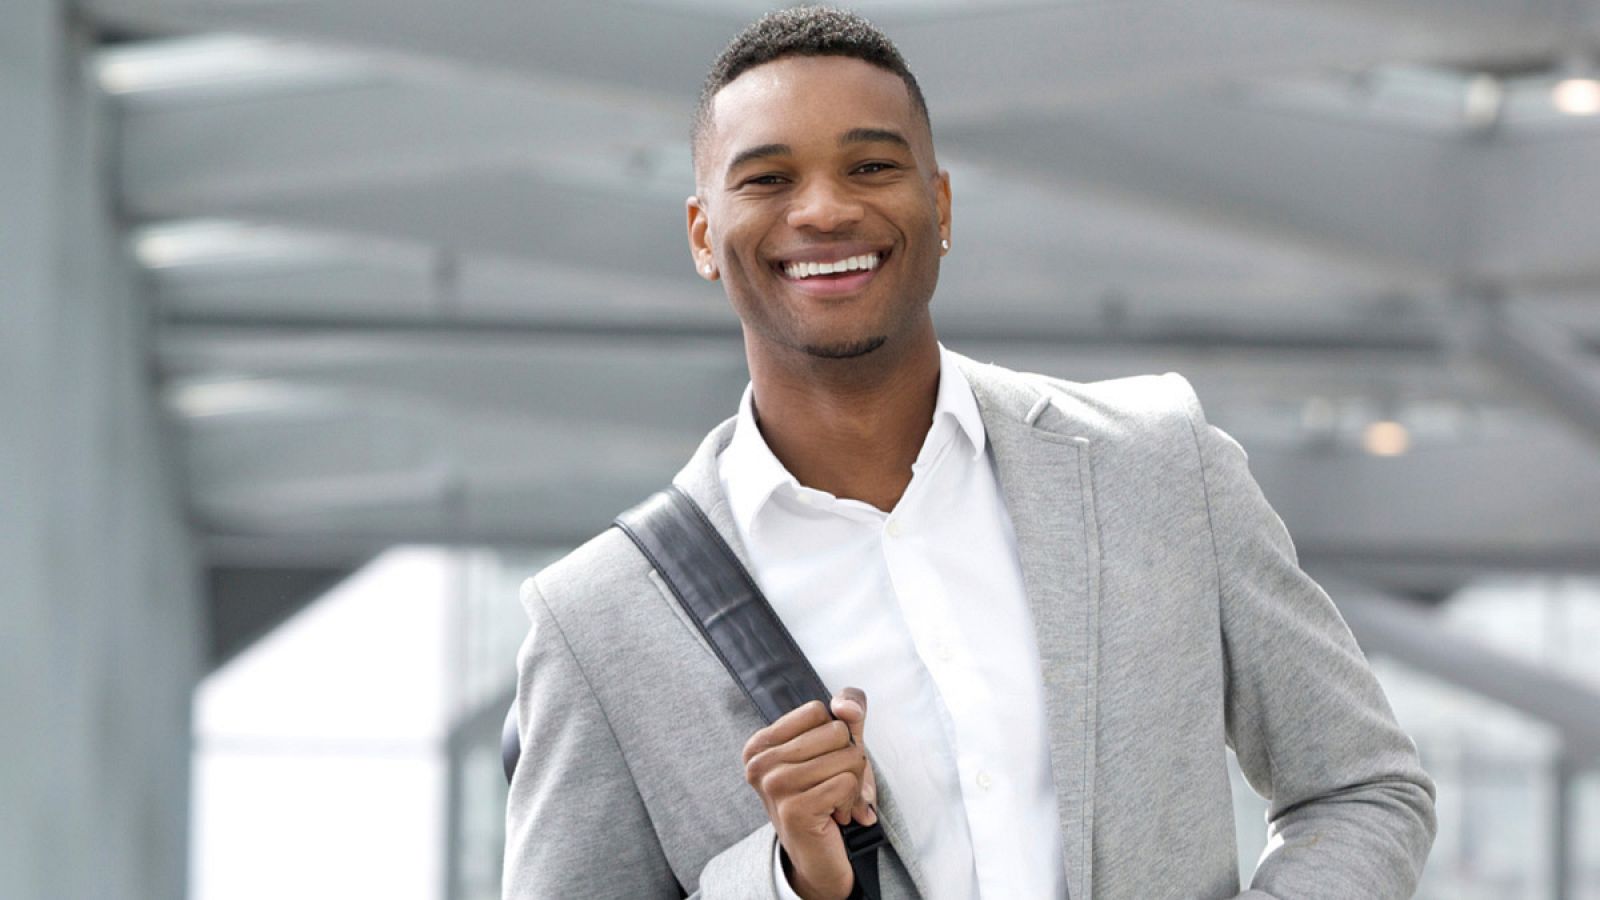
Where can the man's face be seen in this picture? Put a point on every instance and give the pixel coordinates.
(815, 163)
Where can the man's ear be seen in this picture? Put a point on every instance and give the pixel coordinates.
(705, 263)
(942, 200)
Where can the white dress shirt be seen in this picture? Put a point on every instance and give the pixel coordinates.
(923, 609)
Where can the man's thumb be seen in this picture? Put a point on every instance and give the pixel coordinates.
(850, 705)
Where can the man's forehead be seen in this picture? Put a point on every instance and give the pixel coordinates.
(764, 101)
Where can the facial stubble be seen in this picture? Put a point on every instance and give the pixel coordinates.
(846, 349)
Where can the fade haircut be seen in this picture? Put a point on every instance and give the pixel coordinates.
(801, 31)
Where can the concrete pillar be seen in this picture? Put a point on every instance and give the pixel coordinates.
(100, 616)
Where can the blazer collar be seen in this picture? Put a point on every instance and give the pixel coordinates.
(1045, 477)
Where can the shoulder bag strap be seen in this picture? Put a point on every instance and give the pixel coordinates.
(723, 600)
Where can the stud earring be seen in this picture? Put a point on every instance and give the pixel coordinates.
(945, 243)
(708, 268)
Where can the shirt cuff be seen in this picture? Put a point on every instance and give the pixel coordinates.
(781, 883)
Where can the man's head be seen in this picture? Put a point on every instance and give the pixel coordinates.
(820, 205)
(800, 31)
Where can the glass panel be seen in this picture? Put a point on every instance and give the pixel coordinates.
(318, 769)
(491, 627)
(1585, 858)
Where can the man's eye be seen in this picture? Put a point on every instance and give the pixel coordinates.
(764, 180)
(873, 168)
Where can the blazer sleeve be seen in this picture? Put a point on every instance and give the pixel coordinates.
(1350, 811)
(575, 823)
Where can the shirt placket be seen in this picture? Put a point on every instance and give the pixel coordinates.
(924, 600)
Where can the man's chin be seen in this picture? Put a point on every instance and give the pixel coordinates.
(846, 349)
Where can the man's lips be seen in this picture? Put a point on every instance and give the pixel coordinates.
(832, 285)
(833, 270)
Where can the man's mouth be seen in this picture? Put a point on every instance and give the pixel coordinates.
(825, 269)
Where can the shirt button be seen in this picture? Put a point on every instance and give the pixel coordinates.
(985, 780)
(893, 528)
(943, 651)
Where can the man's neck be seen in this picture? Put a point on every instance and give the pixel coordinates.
(850, 427)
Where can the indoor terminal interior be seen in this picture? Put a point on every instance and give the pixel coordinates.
(324, 324)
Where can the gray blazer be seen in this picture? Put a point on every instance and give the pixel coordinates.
(1172, 620)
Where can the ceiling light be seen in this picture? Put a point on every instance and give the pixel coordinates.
(1386, 438)
(1577, 96)
(208, 61)
(1483, 100)
(198, 242)
(229, 396)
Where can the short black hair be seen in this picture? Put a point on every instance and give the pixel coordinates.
(802, 31)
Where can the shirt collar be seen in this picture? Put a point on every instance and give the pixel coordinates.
(956, 400)
(755, 473)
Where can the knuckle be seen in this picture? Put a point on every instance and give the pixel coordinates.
(789, 812)
(756, 765)
(769, 781)
(777, 784)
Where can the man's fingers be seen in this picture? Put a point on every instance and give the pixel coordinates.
(839, 793)
(850, 705)
(793, 724)
(866, 808)
(823, 739)
(788, 779)
(807, 749)
(831, 797)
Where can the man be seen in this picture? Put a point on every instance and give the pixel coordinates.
(1064, 601)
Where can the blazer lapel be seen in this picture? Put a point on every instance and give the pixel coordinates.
(1046, 480)
(701, 480)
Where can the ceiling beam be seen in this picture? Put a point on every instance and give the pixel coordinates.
(1432, 574)
(489, 172)
(1213, 333)
(1555, 366)
(444, 164)
(1387, 625)
(640, 48)
(981, 66)
(1386, 201)
(1029, 56)
(490, 437)
(1536, 208)
(1523, 486)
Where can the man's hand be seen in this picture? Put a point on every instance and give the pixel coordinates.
(812, 774)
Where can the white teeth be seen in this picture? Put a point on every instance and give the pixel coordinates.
(850, 264)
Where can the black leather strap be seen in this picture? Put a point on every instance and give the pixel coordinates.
(723, 600)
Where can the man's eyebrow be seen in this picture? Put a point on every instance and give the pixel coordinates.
(873, 136)
(761, 152)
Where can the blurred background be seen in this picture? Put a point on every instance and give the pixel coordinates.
(323, 323)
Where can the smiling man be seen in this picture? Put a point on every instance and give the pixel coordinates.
(1065, 601)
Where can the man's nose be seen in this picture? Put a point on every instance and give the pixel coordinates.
(825, 205)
